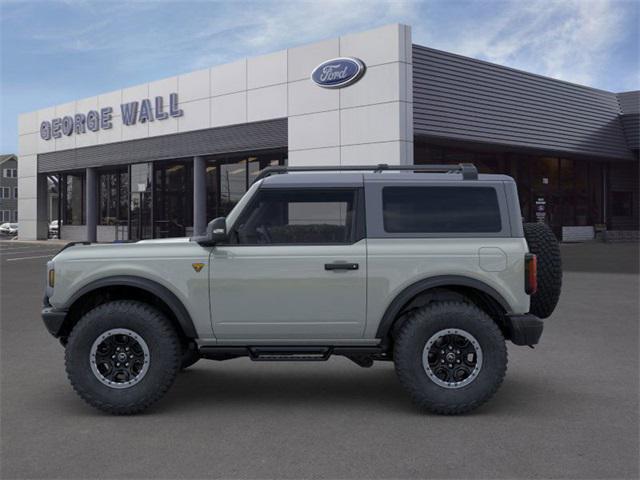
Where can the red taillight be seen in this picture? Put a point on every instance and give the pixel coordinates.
(530, 273)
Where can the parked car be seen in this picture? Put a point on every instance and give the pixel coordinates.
(433, 271)
(9, 229)
(54, 229)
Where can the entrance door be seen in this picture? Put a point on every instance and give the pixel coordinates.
(140, 219)
(295, 268)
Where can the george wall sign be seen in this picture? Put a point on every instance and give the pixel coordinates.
(94, 120)
(338, 72)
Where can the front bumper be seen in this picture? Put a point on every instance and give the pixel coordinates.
(53, 318)
(524, 329)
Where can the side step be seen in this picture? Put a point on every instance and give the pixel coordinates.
(363, 356)
(280, 354)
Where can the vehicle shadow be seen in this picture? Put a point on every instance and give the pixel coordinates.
(373, 390)
(204, 386)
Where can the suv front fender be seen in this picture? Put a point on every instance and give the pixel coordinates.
(163, 293)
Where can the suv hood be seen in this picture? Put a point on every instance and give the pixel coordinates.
(166, 240)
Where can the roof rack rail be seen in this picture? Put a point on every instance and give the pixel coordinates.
(468, 170)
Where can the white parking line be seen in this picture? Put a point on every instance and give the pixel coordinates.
(23, 250)
(28, 258)
(6, 254)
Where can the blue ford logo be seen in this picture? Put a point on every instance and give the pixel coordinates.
(338, 72)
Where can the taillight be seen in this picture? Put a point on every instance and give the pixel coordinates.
(530, 273)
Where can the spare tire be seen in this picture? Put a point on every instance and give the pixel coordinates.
(542, 242)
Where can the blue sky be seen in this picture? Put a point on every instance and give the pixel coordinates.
(57, 51)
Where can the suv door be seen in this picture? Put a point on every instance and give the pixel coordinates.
(295, 267)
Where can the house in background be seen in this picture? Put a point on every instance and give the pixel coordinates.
(9, 188)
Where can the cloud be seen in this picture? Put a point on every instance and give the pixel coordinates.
(570, 40)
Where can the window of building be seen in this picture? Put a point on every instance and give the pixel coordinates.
(15, 215)
(6, 215)
(73, 191)
(173, 199)
(440, 210)
(140, 213)
(299, 217)
(622, 204)
(229, 178)
(10, 173)
(15, 192)
(113, 195)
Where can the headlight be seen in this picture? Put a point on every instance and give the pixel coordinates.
(52, 278)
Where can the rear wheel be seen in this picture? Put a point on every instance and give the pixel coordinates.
(122, 356)
(451, 357)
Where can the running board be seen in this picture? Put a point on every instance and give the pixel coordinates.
(292, 353)
(298, 354)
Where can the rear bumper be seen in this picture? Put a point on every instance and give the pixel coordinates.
(524, 329)
(53, 318)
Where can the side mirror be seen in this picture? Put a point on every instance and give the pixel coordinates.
(216, 233)
(217, 230)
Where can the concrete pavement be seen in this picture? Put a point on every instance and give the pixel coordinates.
(568, 409)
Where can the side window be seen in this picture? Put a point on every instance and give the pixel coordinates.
(305, 217)
(441, 210)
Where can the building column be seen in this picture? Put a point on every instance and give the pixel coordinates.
(91, 207)
(199, 196)
(42, 215)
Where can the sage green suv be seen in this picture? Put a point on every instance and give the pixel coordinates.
(427, 266)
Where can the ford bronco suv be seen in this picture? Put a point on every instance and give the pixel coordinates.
(427, 266)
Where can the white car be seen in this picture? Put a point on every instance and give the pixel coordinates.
(9, 228)
(53, 229)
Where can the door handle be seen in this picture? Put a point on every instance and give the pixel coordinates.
(341, 266)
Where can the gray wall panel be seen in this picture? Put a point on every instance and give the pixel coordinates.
(462, 98)
(629, 101)
(631, 127)
(630, 107)
(236, 138)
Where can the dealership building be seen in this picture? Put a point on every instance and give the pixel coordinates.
(163, 158)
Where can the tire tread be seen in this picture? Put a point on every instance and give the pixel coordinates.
(164, 329)
(402, 362)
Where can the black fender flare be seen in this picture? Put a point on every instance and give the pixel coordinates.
(425, 284)
(150, 286)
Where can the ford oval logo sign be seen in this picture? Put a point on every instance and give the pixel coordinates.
(338, 73)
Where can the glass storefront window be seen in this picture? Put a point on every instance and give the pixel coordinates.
(233, 184)
(173, 199)
(140, 215)
(113, 198)
(229, 178)
(73, 202)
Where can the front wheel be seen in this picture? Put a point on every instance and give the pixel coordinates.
(122, 356)
(451, 357)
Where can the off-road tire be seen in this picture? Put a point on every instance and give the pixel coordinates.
(165, 354)
(543, 243)
(190, 356)
(410, 342)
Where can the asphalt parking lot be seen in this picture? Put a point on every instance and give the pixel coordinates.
(568, 409)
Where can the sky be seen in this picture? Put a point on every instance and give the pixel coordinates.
(55, 51)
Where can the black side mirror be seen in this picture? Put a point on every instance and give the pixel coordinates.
(217, 230)
(216, 233)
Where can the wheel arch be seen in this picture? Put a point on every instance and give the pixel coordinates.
(483, 295)
(128, 287)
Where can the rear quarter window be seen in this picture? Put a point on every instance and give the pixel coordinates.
(432, 209)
